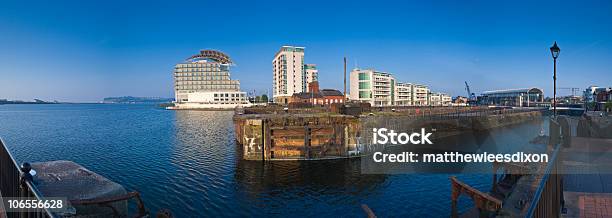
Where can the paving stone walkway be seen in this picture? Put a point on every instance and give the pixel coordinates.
(588, 186)
(588, 205)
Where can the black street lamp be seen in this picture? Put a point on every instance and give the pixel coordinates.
(554, 50)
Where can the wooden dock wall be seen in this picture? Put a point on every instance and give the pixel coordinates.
(295, 137)
(324, 136)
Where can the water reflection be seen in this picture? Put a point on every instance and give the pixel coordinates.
(216, 178)
(187, 161)
(203, 154)
(306, 179)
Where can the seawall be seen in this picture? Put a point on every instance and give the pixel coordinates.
(317, 136)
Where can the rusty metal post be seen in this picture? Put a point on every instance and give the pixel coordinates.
(264, 150)
(307, 141)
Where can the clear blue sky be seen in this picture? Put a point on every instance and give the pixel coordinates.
(85, 51)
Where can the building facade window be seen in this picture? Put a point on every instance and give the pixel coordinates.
(364, 85)
(364, 76)
(365, 94)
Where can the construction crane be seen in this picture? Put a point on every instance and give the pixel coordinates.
(471, 96)
(573, 99)
(573, 90)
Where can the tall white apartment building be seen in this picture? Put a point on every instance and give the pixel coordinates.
(289, 76)
(312, 74)
(374, 87)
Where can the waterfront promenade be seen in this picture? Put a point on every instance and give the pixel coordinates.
(588, 183)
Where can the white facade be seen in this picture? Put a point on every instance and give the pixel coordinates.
(439, 99)
(403, 94)
(288, 73)
(374, 87)
(447, 100)
(382, 89)
(588, 93)
(203, 81)
(420, 93)
(312, 74)
(435, 99)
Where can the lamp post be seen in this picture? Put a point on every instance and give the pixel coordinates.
(554, 50)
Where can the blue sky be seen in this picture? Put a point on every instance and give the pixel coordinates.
(83, 51)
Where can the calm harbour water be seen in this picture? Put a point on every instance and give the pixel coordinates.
(188, 162)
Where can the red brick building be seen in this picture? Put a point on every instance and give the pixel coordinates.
(318, 97)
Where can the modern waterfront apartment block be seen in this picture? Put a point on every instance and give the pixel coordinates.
(439, 99)
(421, 95)
(371, 86)
(203, 81)
(403, 94)
(289, 76)
(382, 89)
(312, 75)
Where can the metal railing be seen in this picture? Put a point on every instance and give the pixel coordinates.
(548, 198)
(454, 113)
(16, 181)
(459, 113)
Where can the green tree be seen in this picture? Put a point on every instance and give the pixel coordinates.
(608, 106)
(591, 105)
(264, 98)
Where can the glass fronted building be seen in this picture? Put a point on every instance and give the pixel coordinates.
(513, 97)
(374, 87)
(203, 81)
(382, 89)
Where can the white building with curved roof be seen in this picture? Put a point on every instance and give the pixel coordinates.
(523, 97)
(203, 81)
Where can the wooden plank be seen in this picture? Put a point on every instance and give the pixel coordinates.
(368, 211)
(472, 190)
(300, 132)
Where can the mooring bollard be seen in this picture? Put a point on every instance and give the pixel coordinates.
(25, 175)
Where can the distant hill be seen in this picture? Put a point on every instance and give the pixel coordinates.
(136, 100)
(36, 101)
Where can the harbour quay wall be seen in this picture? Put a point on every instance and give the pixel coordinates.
(323, 135)
(294, 136)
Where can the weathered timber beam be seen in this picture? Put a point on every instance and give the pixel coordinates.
(481, 200)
